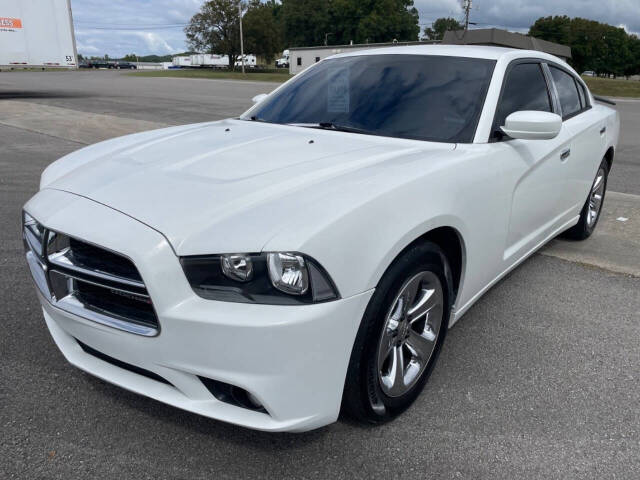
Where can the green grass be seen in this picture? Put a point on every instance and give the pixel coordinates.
(216, 75)
(609, 87)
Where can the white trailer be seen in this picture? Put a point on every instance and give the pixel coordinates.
(209, 60)
(220, 61)
(182, 62)
(37, 33)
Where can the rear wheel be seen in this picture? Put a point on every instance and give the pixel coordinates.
(592, 208)
(400, 337)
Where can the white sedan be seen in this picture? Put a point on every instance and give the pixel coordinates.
(308, 257)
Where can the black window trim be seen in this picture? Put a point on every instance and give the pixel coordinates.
(579, 84)
(493, 138)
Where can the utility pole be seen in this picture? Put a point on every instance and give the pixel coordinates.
(241, 38)
(466, 6)
(326, 38)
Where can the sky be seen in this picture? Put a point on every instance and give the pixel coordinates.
(144, 27)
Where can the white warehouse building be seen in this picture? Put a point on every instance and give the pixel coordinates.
(303, 57)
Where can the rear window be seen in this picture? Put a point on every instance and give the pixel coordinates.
(422, 97)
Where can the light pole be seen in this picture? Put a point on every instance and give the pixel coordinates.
(326, 38)
(241, 39)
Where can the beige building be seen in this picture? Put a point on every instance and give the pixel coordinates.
(502, 38)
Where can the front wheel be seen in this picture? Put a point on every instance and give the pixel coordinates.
(400, 336)
(592, 208)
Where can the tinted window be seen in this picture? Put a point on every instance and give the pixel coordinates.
(408, 96)
(299, 61)
(583, 98)
(525, 88)
(567, 91)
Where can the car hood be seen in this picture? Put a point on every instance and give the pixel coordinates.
(219, 187)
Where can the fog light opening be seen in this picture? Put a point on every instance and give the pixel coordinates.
(233, 395)
(254, 401)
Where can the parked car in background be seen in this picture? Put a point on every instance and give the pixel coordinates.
(96, 64)
(588, 73)
(123, 66)
(309, 256)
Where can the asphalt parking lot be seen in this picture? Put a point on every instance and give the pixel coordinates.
(541, 379)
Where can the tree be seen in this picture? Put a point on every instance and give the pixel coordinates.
(596, 46)
(216, 29)
(633, 67)
(263, 33)
(389, 20)
(312, 22)
(554, 29)
(305, 22)
(441, 25)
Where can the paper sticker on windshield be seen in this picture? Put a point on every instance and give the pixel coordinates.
(338, 95)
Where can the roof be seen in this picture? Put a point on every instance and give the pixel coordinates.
(495, 36)
(469, 51)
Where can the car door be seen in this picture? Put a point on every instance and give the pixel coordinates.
(536, 166)
(589, 134)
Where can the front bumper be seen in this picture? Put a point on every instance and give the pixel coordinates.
(293, 359)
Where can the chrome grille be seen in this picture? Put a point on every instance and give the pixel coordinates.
(89, 281)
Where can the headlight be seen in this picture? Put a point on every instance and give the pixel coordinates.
(279, 278)
(33, 234)
(288, 273)
(237, 267)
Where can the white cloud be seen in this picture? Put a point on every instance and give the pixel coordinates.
(155, 42)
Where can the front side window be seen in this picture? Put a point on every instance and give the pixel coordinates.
(423, 97)
(525, 88)
(567, 91)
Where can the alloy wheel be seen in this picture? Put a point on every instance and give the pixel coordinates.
(410, 333)
(595, 198)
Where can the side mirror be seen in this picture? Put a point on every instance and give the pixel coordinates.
(531, 125)
(259, 98)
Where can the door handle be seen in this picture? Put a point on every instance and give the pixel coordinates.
(603, 130)
(565, 154)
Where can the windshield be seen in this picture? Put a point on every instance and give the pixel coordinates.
(421, 97)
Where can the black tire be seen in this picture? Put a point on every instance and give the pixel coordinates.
(583, 229)
(363, 397)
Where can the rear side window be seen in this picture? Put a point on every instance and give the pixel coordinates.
(583, 96)
(567, 91)
(525, 88)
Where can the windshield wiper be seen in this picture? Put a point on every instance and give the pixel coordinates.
(345, 128)
(334, 126)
